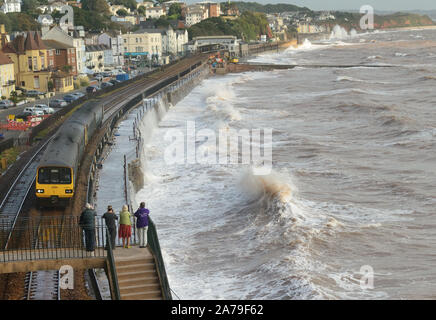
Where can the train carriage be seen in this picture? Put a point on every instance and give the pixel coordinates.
(56, 174)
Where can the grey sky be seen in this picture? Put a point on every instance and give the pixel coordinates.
(391, 5)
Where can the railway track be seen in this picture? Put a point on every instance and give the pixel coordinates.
(41, 285)
(13, 202)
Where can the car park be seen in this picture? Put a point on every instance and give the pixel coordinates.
(57, 103)
(106, 84)
(70, 97)
(4, 104)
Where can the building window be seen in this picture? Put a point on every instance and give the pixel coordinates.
(35, 63)
(42, 62)
(29, 63)
(58, 52)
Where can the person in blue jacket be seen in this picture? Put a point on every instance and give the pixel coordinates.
(142, 224)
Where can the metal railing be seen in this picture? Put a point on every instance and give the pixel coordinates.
(153, 242)
(112, 270)
(57, 238)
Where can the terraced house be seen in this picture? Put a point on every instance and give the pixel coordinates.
(62, 61)
(29, 55)
(95, 58)
(143, 42)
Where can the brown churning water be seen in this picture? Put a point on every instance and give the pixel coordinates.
(353, 182)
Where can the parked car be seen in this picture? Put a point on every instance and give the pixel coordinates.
(34, 93)
(32, 111)
(70, 97)
(1, 136)
(45, 108)
(114, 81)
(92, 89)
(106, 84)
(57, 103)
(4, 104)
(78, 94)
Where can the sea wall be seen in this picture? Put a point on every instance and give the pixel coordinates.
(149, 115)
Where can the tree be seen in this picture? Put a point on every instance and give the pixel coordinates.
(141, 10)
(122, 13)
(131, 4)
(100, 6)
(175, 9)
(18, 21)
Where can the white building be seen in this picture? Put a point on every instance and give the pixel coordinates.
(146, 4)
(11, 6)
(95, 58)
(154, 12)
(115, 42)
(173, 41)
(194, 14)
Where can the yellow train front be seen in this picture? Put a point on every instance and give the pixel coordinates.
(54, 185)
(58, 168)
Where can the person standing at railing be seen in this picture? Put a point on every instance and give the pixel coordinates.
(110, 217)
(125, 230)
(142, 224)
(87, 222)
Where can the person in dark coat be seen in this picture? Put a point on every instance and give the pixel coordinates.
(110, 217)
(142, 224)
(87, 222)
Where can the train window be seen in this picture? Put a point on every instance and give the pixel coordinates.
(54, 176)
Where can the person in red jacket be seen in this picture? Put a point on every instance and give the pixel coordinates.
(142, 224)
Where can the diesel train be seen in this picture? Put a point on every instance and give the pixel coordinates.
(58, 169)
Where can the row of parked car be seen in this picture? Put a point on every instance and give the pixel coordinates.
(56, 103)
(94, 88)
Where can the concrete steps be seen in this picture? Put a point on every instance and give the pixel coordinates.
(137, 276)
